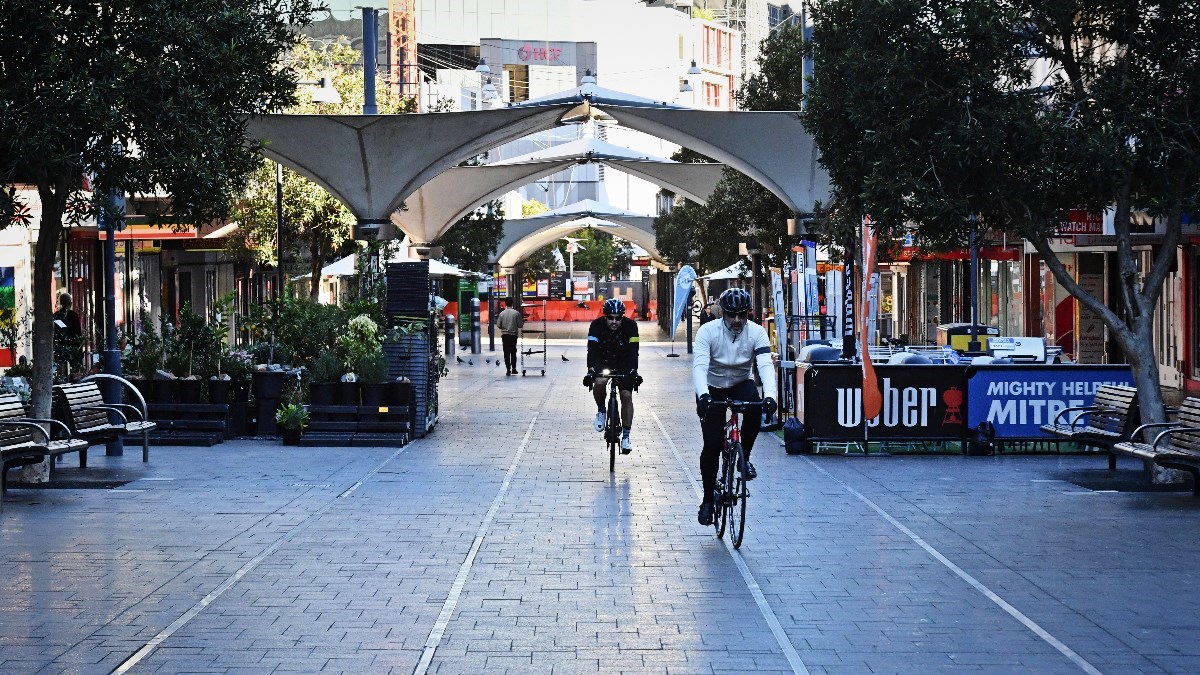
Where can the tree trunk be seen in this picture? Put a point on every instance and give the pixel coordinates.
(315, 263)
(45, 251)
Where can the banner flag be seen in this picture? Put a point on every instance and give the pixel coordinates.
(684, 279)
(872, 398)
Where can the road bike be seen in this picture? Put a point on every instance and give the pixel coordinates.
(731, 495)
(612, 414)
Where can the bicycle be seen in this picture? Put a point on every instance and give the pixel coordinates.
(731, 495)
(612, 415)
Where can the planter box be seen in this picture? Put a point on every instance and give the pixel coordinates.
(346, 393)
(268, 384)
(218, 391)
(410, 357)
(321, 393)
(189, 390)
(373, 395)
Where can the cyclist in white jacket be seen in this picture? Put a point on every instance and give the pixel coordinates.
(725, 353)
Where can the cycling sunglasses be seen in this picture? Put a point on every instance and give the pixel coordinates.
(738, 315)
(614, 317)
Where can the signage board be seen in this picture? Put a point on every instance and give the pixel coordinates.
(1081, 222)
(1018, 400)
(919, 402)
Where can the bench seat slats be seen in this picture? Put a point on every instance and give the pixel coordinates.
(1178, 449)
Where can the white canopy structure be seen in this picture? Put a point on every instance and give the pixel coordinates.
(523, 236)
(373, 163)
(441, 202)
(347, 267)
(738, 270)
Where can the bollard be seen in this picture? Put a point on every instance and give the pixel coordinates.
(450, 335)
(475, 332)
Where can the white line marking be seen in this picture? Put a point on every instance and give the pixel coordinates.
(464, 570)
(962, 574)
(785, 643)
(207, 600)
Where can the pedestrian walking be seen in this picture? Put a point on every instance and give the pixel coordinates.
(509, 322)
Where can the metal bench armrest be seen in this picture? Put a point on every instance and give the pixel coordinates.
(1080, 409)
(124, 383)
(27, 425)
(1138, 431)
(140, 417)
(40, 420)
(1166, 434)
(109, 407)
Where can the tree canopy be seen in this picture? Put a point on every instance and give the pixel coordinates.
(930, 111)
(739, 209)
(142, 97)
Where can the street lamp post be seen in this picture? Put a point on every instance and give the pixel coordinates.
(974, 345)
(112, 355)
(279, 230)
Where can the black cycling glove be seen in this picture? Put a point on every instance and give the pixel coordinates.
(637, 379)
(702, 404)
(769, 407)
(589, 379)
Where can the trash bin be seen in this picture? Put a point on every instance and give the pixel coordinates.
(958, 335)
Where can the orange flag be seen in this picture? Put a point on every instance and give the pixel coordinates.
(872, 398)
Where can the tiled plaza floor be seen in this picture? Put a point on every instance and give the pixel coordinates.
(501, 543)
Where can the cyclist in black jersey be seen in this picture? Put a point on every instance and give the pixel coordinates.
(613, 346)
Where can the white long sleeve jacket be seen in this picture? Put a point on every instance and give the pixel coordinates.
(722, 361)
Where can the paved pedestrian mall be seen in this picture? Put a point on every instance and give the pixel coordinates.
(501, 543)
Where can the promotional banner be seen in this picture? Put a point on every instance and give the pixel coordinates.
(833, 300)
(683, 288)
(871, 397)
(810, 281)
(1018, 400)
(917, 402)
(780, 315)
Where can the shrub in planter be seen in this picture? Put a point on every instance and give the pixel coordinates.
(291, 419)
(326, 371)
(373, 371)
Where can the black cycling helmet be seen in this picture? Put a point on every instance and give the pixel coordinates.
(614, 307)
(735, 301)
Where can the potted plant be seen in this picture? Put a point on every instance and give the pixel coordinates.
(291, 419)
(325, 372)
(360, 338)
(373, 373)
(238, 366)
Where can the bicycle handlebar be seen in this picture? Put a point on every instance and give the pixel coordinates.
(612, 376)
(737, 406)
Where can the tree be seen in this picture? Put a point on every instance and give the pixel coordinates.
(312, 217)
(739, 208)
(926, 114)
(541, 261)
(144, 97)
(473, 240)
(603, 254)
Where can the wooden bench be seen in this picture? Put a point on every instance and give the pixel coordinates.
(1110, 419)
(1176, 446)
(81, 406)
(24, 442)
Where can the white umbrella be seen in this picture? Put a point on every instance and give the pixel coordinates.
(346, 267)
(738, 270)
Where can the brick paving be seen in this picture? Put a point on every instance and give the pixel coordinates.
(500, 543)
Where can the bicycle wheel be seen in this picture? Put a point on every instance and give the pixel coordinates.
(721, 496)
(612, 431)
(736, 506)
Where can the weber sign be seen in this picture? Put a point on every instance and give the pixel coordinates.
(919, 402)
